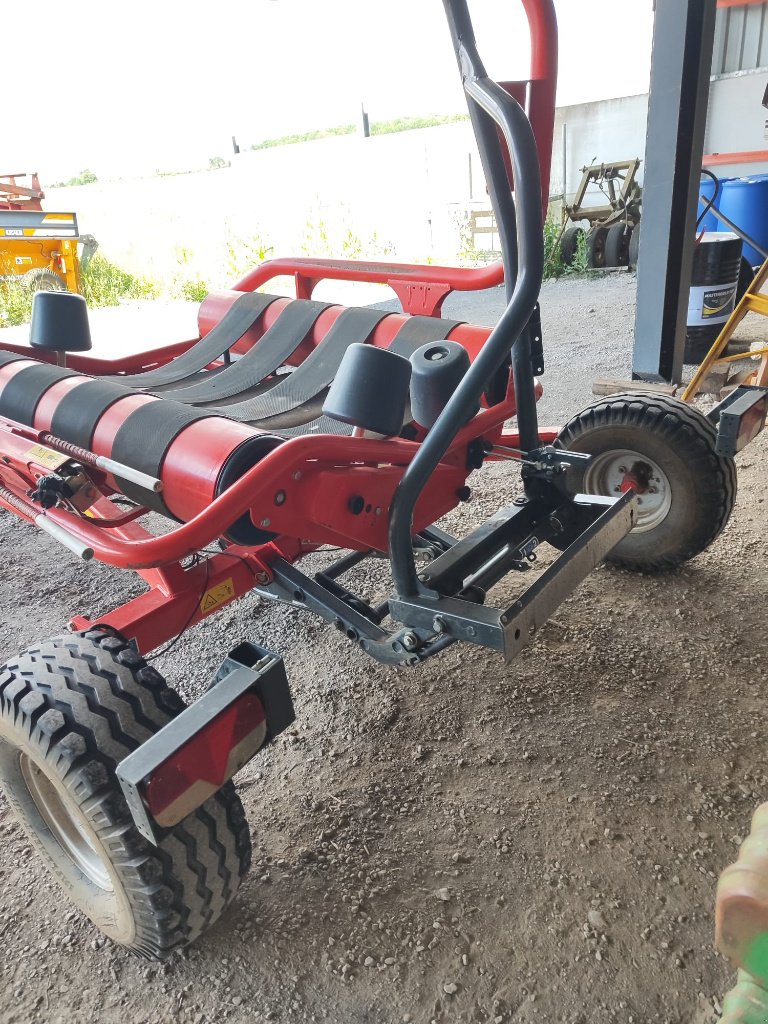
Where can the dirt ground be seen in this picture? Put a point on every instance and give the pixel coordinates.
(467, 841)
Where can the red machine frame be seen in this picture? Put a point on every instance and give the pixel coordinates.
(307, 468)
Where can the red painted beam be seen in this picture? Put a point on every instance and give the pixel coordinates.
(752, 156)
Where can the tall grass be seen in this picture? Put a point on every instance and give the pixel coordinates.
(103, 284)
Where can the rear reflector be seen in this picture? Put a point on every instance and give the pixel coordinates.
(741, 418)
(204, 763)
(188, 760)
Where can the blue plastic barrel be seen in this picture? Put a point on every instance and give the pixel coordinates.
(709, 221)
(745, 202)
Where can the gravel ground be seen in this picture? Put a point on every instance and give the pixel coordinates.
(467, 841)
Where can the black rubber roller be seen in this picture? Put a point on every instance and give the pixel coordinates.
(370, 390)
(60, 322)
(438, 368)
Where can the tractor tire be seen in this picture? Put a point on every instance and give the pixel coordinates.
(43, 280)
(569, 245)
(596, 247)
(71, 708)
(617, 245)
(671, 448)
(633, 250)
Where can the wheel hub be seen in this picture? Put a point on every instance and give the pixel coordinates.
(620, 470)
(66, 824)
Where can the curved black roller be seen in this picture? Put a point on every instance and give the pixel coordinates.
(60, 322)
(143, 440)
(418, 330)
(11, 357)
(314, 374)
(438, 369)
(78, 412)
(241, 315)
(270, 352)
(19, 397)
(370, 390)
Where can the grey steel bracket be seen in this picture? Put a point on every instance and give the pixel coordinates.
(509, 629)
(232, 680)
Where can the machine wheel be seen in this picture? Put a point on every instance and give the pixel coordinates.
(569, 245)
(70, 710)
(43, 280)
(633, 251)
(596, 247)
(666, 450)
(617, 245)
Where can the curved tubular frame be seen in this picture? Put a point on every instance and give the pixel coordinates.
(423, 288)
(523, 253)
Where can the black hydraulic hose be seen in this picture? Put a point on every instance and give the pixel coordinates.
(506, 112)
(742, 234)
(710, 202)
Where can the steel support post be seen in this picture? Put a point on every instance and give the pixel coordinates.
(683, 38)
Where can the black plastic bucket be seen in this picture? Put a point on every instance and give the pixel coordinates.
(716, 262)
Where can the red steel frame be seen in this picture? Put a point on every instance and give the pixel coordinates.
(307, 470)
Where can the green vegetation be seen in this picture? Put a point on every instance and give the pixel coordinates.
(553, 263)
(243, 254)
(216, 162)
(83, 178)
(580, 262)
(398, 124)
(104, 284)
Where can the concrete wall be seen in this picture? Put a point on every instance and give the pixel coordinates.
(596, 132)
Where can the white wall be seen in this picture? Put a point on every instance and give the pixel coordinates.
(737, 121)
(596, 133)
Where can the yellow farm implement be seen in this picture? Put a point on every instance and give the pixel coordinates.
(37, 246)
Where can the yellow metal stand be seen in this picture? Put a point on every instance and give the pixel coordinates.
(752, 301)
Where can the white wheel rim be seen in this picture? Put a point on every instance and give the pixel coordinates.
(607, 473)
(67, 824)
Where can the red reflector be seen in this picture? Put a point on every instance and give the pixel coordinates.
(204, 763)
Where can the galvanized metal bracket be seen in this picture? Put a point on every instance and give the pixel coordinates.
(509, 629)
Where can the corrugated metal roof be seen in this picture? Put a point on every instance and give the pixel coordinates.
(741, 39)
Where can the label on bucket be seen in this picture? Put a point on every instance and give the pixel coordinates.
(710, 305)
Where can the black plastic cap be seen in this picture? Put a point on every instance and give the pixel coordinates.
(438, 368)
(60, 322)
(370, 390)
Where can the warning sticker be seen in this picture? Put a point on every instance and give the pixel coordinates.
(45, 457)
(23, 260)
(710, 305)
(717, 300)
(217, 595)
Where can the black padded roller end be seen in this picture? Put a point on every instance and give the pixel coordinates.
(438, 369)
(60, 322)
(370, 390)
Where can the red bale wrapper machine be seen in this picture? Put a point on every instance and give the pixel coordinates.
(289, 426)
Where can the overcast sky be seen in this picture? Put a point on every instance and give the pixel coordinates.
(151, 85)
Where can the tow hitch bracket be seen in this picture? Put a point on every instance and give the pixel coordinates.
(509, 629)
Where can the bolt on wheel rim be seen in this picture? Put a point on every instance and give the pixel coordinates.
(606, 474)
(66, 823)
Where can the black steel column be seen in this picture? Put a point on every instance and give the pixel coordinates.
(683, 37)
